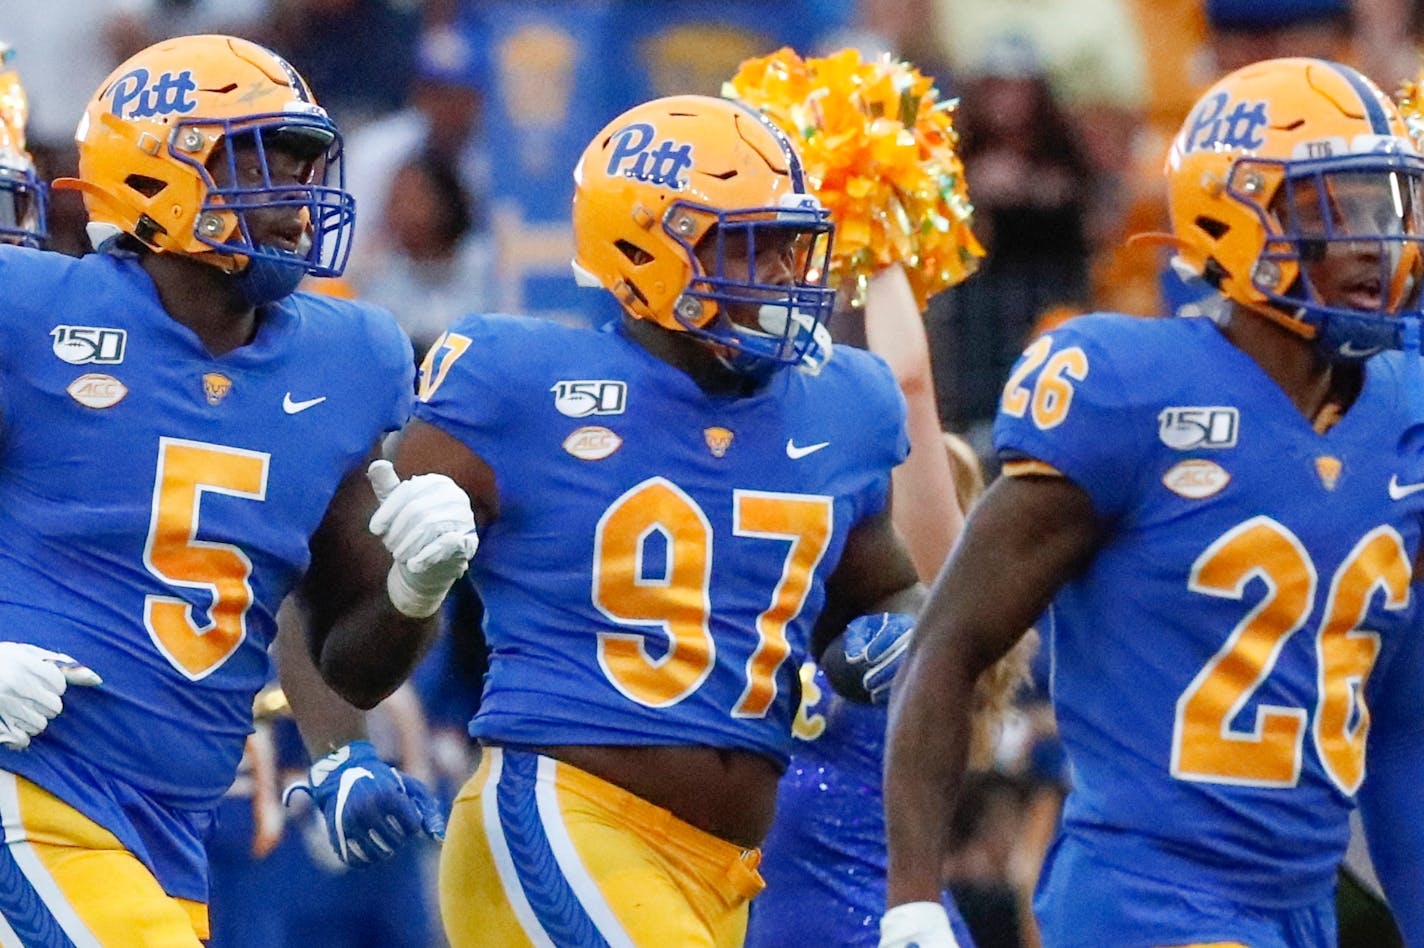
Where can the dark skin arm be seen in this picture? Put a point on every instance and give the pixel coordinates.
(360, 644)
(1024, 539)
(426, 449)
(875, 574)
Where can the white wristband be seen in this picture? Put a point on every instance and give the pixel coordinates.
(417, 603)
(925, 924)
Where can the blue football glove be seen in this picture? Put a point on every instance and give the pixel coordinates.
(370, 807)
(874, 647)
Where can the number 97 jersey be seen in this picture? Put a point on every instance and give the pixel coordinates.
(1218, 666)
(660, 554)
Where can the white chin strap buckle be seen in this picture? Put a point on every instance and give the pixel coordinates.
(773, 320)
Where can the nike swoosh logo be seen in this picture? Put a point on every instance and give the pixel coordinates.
(795, 453)
(1348, 350)
(291, 407)
(349, 779)
(1398, 491)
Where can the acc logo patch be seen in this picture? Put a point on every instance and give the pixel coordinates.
(579, 398)
(592, 443)
(1188, 428)
(81, 345)
(94, 390)
(1196, 479)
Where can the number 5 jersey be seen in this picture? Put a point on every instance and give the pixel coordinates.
(156, 505)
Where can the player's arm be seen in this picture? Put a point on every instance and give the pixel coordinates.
(370, 808)
(875, 578)
(359, 641)
(928, 515)
(1025, 537)
(1392, 797)
(426, 448)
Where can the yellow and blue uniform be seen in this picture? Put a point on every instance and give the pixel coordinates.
(157, 503)
(824, 859)
(1217, 665)
(651, 579)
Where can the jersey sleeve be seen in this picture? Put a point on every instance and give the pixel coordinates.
(880, 414)
(396, 359)
(1067, 405)
(463, 389)
(1392, 796)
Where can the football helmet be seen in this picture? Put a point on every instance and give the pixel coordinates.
(164, 121)
(22, 194)
(1282, 162)
(674, 172)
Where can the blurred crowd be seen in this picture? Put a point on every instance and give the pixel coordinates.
(457, 115)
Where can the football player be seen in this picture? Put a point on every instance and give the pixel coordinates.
(22, 194)
(182, 439)
(674, 509)
(1222, 521)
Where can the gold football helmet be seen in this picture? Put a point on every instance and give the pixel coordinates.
(1282, 162)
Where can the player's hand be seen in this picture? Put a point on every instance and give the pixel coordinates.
(874, 647)
(427, 524)
(370, 808)
(917, 925)
(32, 681)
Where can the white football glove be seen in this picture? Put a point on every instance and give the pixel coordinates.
(917, 925)
(427, 524)
(32, 679)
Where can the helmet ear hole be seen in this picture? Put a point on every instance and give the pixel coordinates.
(636, 255)
(1214, 228)
(145, 185)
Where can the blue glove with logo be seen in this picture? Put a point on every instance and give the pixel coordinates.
(370, 807)
(874, 647)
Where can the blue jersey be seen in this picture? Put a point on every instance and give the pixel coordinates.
(660, 554)
(824, 859)
(1212, 665)
(156, 505)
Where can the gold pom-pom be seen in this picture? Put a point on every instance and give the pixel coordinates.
(879, 147)
(1411, 106)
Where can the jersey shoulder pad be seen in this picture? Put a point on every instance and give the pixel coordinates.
(360, 341)
(1084, 398)
(860, 378)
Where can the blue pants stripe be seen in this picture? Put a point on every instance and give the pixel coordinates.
(23, 909)
(549, 893)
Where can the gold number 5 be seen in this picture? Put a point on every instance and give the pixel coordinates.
(186, 470)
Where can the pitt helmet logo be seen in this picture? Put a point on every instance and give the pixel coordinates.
(134, 95)
(1220, 122)
(718, 441)
(634, 156)
(216, 387)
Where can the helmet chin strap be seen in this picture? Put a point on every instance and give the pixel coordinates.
(267, 280)
(773, 319)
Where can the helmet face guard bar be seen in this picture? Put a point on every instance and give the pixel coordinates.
(330, 211)
(789, 314)
(24, 207)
